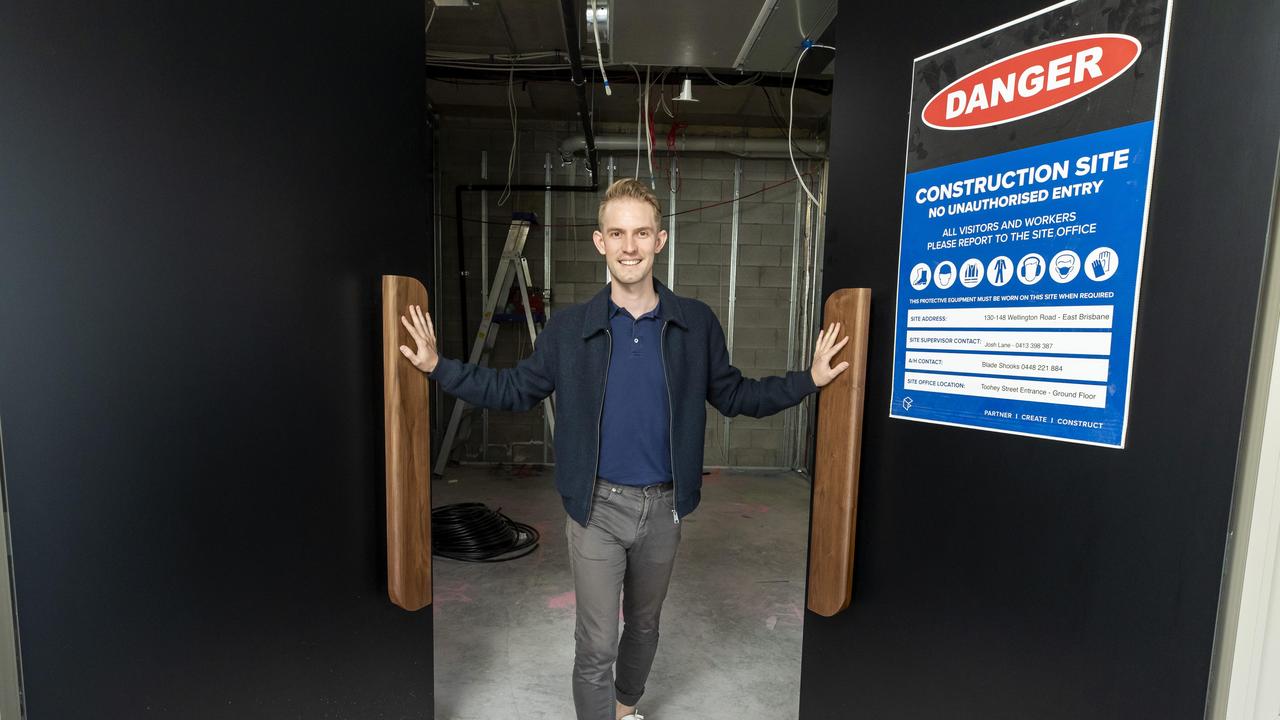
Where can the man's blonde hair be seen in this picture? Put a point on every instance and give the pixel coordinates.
(632, 189)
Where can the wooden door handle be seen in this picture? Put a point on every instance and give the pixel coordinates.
(407, 425)
(835, 474)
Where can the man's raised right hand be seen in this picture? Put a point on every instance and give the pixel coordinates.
(424, 334)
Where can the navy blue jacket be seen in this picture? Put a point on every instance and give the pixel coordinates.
(571, 357)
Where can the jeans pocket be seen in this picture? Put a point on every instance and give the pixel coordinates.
(602, 493)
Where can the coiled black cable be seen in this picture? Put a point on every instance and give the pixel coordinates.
(471, 532)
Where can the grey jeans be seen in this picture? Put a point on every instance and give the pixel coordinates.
(628, 547)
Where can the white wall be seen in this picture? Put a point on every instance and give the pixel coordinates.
(1246, 685)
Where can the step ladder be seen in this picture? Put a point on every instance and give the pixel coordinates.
(512, 268)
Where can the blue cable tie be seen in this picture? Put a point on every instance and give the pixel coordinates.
(806, 44)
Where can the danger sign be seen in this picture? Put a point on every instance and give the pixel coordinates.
(1031, 82)
(1024, 212)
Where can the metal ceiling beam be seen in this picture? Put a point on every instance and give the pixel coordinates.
(506, 26)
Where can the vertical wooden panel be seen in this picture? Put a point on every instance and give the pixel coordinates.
(835, 475)
(407, 424)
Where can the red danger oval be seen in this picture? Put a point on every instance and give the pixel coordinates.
(1031, 82)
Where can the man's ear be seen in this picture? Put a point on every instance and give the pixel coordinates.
(597, 237)
(662, 242)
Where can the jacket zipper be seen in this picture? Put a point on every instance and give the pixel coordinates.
(671, 445)
(595, 473)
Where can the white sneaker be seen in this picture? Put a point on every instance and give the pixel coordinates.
(633, 716)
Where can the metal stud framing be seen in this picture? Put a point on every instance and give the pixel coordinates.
(791, 422)
(733, 284)
(484, 282)
(804, 287)
(546, 282)
(671, 229)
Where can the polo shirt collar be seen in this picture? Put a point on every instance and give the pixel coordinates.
(656, 312)
(597, 313)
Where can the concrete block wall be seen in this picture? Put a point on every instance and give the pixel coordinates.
(512, 436)
(702, 251)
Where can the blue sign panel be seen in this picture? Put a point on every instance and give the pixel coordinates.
(1019, 268)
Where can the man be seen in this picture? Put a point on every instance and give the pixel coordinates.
(633, 369)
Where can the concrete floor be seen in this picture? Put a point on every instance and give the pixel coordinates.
(731, 625)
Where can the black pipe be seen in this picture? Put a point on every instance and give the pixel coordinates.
(570, 26)
(811, 84)
(463, 324)
(529, 187)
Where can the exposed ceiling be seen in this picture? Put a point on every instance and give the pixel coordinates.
(750, 35)
(472, 49)
(494, 27)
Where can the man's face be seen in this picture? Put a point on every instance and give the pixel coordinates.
(629, 240)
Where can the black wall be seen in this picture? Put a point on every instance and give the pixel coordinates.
(1006, 577)
(197, 200)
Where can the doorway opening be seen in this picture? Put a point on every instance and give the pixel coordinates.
(744, 236)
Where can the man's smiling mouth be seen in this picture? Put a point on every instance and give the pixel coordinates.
(630, 262)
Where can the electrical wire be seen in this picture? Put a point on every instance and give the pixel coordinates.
(749, 81)
(639, 94)
(595, 28)
(699, 208)
(662, 102)
(656, 169)
(791, 102)
(460, 81)
(471, 532)
(777, 122)
(673, 168)
(434, 8)
(800, 23)
(648, 127)
(514, 114)
(661, 79)
(715, 79)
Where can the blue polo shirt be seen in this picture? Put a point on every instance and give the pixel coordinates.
(635, 438)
